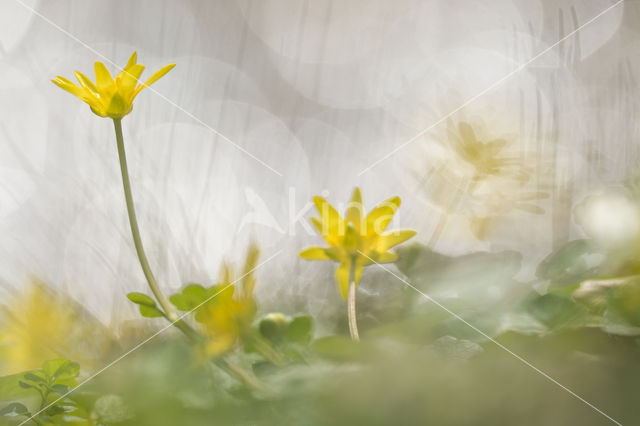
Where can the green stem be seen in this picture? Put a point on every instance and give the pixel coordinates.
(241, 374)
(137, 241)
(351, 302)
(268, 352)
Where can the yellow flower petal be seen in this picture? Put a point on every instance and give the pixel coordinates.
(355, 209)
(314, 253)
(467, 133)
(79, 92)
(392, 239)
(87, 83)
(154, 77)
(337, 253)
(317, 223)
(226, 275)
(127, 81)
(248, 279)
(132, 60)
(352, 241)
(158, 74)
(67, 85)
(220, 342)
(387, 257)
(104, 81)
(357, 272)
(378, 219)
(342, 277)
(333, 226)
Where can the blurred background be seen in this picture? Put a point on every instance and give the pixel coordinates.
(323, 95)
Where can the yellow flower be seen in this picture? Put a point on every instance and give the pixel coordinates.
(110, 97)
(356, 239)
(228, 316)
(42, 325)
(487, 158)
(481, 180)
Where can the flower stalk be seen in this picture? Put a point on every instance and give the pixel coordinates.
(351, 302)
(168, 310)
(249, 379)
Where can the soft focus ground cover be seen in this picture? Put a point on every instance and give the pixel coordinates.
(416, 362)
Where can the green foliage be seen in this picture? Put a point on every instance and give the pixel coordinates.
(57, 376)
(141, 299)
(342, 348)
(624, 299)
(61, 371)
(428, 269)
(413, 359)
(14, 409)
(300, 330)
(279, 329)
(10, 387)
(146, 305)
(192, 296)
(460, 283)
(556, 311)
(612, 303)
(51, 385)
(198, 299)
(571, 263)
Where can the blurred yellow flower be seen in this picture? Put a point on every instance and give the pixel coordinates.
(485, 157)
(481, 179)
(42, 325)
(228, 316)
(356, 239)
(110, 97)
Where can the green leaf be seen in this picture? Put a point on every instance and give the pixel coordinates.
(14, 409)
(262, 368)
(555, 311)
(614, 323)
(26, 385)
(150, 311)
(615, 300)
(467, 277)
(427, 268)
(61, 369)
(32, 377)
(54, 410)
(60, 389)
(190, 297)
(575, 261)
(594, 294)
(141, 299)
(10, 388)
(624, 300)
(300, 330)
(340, 347)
